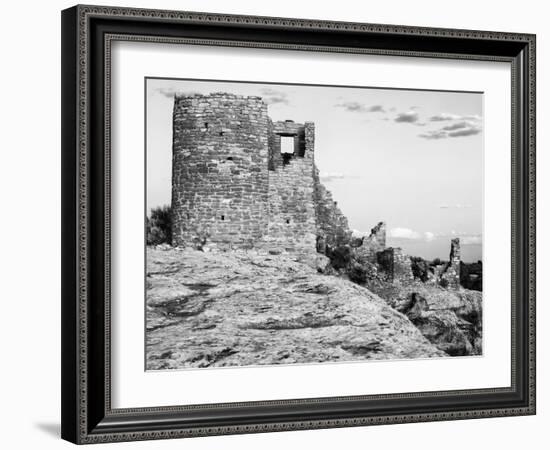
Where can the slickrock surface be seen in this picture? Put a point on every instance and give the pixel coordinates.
(239, 309)
(450, 318)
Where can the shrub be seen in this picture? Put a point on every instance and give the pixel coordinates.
(159, 226)
(357, 273)
(419, 268)
(340, 257)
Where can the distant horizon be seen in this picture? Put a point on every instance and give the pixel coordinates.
(410, 158)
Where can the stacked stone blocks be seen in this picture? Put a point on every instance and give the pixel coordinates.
(292, 224)
(232, 188)
(373, 243)
(395, 264)
(219, 170)
(450, 277)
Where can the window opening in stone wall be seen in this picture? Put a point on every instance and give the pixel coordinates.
(287, 145)
(223, 217)
(206, 125)
(287, 149)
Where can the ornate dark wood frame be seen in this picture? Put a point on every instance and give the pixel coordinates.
(87, 33)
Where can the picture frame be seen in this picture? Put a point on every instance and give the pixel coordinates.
(88, 33)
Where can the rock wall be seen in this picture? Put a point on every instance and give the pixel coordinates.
(219, 170)
(395, 264)
(332, 225)
(451, 275)
(232, 188)
(374, 243)
(446, 274)
(291, 222)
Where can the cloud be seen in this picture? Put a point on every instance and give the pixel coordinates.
(429, 236)
(272, 96)
(457, 206)
(403, 233)
(443, 116)
(360, 107)
(470, 240)
(457, 125)
(170, 92)
(437, 134)
(458, 129)
(376, 108)
(448, 116)
(410, 235)
(470, 131)
(331, 176)
(407, 117)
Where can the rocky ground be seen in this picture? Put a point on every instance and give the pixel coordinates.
(238, 309)
(450, 319)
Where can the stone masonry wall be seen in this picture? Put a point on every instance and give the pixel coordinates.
(332, 225)
(219, 170)
(233, 188)
(451, 276)
(395, 264)
(374, 243)
(292, 221)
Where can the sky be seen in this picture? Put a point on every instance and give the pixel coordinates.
(410, 158)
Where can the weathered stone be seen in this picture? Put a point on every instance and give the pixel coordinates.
(450, 319)
(322, 263)
(216, 197)
(395, 264)
(373, 243)
(450, 277)
(233, 188)
(417, 306)
(332, 225)
(239, 309)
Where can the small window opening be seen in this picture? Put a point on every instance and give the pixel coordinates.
(287, 145)
(223, 217)
(230, 158)
(206, 125)
(221, 133)
(287, 220)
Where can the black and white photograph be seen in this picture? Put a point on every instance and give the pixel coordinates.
(275, 225)
(310, 224)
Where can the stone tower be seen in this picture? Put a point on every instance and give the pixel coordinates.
(451, 276)
(219, 170)
(236, 186)
(292, 222)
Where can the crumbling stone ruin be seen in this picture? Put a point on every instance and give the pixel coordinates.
(235, 187)
(242, 181)
(395, 264)
(450, 273)
(373, 244)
